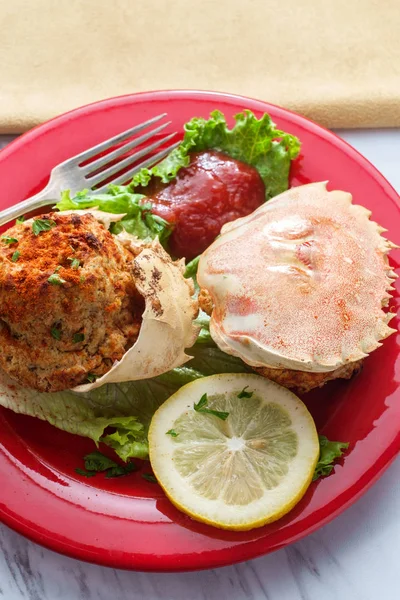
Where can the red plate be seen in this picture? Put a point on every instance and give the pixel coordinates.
(128, 523)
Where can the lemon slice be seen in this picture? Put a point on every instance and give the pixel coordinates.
(242, 472)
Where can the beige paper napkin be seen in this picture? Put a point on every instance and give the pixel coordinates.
(336, 61)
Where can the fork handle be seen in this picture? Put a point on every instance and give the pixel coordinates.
(39, 200)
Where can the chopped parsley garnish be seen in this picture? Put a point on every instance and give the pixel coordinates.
(16, 256)
(40, 225)
(91, 377)
(201, 407)
(78, 337)
(120, 470)
(9, 240)
(20, 220)
(96, 462)
(149, 477)
(75, 263)
(244, 394)
(55, 279)
(56, 333)
(172, 433)
(85, 473)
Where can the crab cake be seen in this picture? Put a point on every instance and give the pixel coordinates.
(298, 288)
(69, 307)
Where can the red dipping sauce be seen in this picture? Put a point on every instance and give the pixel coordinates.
(214, 189)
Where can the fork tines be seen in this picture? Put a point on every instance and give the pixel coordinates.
(118, 159)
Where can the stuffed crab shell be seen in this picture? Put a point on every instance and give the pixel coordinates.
(300, 284)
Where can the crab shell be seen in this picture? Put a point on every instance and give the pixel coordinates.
(167, 322)
(300, 283)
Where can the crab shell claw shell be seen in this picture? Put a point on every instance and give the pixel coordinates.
(300, 283)
(167, 322)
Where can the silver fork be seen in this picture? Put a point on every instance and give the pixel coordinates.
(71, 175)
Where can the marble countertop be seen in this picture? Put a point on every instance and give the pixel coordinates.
(353, 558)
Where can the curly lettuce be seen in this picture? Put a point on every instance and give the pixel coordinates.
(256, 142)
(330, 453)
(106, 413)
(138, 221)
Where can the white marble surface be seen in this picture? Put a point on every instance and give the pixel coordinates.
(353, 558)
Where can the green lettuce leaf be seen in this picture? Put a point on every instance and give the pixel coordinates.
(117, 414)
(256, 142)
(330, 452)
(204, 336)
(127, 439)
(203, 319)
(210, 360)
(94, 415)
(191, 269)
(139, 220)
(106, 414)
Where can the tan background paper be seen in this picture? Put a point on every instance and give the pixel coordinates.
(336, 61)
